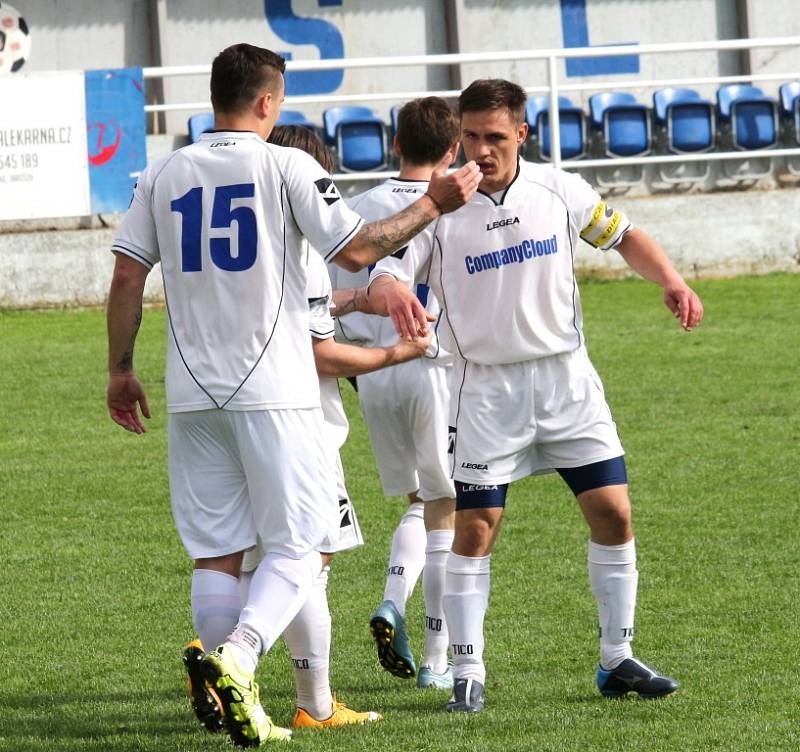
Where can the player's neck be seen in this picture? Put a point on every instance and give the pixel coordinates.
(227, 122)
(415, 172)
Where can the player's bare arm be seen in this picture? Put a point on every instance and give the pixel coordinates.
(125, 395)
(334, 358)
(646, 257)
(350, 300)
(390, 297)
(379, 239)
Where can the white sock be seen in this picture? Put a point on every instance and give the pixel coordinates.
(308, 638)
(278, 589)
(215, 606)
(466, 598)
(433, 577)
(613, 579)
(406, 558)
(245, 578)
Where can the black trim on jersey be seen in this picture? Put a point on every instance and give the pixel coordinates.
(178, 347)
(321, 335)
(574, 284)
(277, 313)
(164, 281)
(505, 192)
(228, 130)
(408, 180)
(444, 295)
(346, 239)
(269, 339)
(316, 301)
(458, 412)
(130, 252)
(438, 318)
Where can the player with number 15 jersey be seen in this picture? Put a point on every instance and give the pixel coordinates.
(238, 196)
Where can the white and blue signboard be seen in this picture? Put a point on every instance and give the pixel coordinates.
(116, 138)
(71, 143)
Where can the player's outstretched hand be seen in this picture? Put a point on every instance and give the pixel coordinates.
(392, 298)
(451, 192)
(685, 305)
(124, 395)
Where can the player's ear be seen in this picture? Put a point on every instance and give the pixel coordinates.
(396, 148)
(265, 103)
(522, 132)
(452, 152)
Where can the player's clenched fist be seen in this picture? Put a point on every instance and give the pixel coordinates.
(451, 192)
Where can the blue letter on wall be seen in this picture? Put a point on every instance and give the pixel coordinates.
(576, 34)
(322, 34)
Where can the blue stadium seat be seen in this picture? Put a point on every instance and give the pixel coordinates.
(199, 124)
(751, 116)
(358, 136)
(295, 117)
(393, 113)
(685, 124)
(623, 127)
(571, 127)
(789, 95)
(687, 118)
(749, 120)
(624, 123)
(789, 98)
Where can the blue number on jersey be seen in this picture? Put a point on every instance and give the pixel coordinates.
(190, 207)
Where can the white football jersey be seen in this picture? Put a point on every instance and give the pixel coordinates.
(369, 330)
(226, 218)
(502, 267)
(320, 300)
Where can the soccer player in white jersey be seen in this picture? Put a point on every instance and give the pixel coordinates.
(226, 217)
(308, 636)
(525, 397)
(406, 411)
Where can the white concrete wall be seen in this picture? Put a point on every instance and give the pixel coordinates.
(537, 25)
(83, 34)
(90, 34)
(197, 31)
(774, 18)
(706, 235)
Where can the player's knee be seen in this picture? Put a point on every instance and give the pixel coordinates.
(473, 538)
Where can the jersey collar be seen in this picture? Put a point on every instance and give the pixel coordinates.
(505, 192)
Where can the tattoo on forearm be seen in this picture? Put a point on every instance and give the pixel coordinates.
(387, 235)
(349, 307)
(125, 363)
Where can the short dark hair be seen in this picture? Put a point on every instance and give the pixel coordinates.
(239, 73)
(492, 94)
(426, 129)
(302, 138)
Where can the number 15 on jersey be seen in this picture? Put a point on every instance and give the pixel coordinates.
(190, 207)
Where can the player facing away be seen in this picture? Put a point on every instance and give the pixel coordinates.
(406, 411)
(525, 398)
(247, 461)
(308, 636)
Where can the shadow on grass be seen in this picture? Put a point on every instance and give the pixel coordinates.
(51, 717)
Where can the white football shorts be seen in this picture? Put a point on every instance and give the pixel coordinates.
(241, 477)
(517, 419)
(406, 408)
(349, 535)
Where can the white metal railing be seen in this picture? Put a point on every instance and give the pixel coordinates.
(553, 88)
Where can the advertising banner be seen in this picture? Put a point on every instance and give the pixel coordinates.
(115, 126)
(43, 166)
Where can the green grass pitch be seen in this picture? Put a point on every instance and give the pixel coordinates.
(94, 596)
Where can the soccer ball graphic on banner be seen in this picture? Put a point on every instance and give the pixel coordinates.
(15, 40)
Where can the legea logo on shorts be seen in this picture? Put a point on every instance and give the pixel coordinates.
(474, 466)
